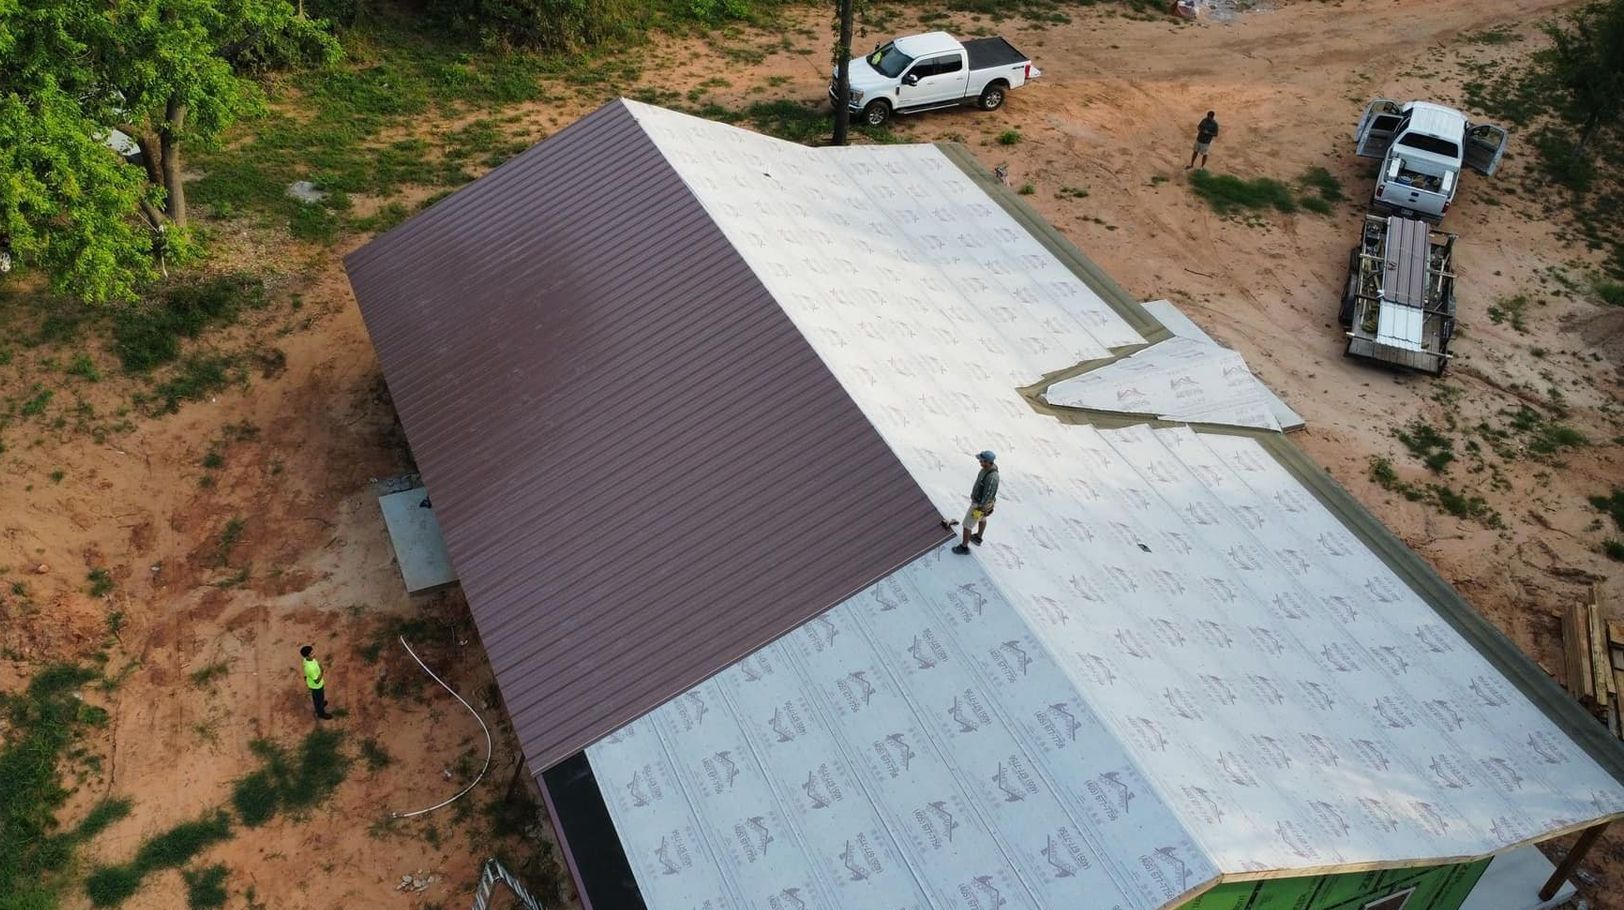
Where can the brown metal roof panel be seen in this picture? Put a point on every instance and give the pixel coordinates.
(642, 469)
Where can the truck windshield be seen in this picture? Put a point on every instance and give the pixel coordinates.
(1430, 144)
(889, 61)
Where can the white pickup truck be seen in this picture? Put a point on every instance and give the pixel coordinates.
(1423, 147)
(933, 70)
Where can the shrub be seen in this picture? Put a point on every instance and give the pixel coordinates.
(1009, 137)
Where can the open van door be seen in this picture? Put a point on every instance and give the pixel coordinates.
(1376, 127)
(1485, 146)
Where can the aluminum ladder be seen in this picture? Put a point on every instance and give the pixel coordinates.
(495, 874)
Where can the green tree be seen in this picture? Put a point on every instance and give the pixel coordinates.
(169, 74)
(1587, 62)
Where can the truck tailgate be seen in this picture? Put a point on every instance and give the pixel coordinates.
(986, 53)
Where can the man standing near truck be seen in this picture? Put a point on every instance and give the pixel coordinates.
(1205, 132)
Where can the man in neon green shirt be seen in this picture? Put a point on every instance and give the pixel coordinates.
(315, 682)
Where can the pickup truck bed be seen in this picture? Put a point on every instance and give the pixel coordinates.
(989, 52)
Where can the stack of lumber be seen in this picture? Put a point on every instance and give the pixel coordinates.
(1593, 650)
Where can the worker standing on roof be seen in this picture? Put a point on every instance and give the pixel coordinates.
(1205, 132)
(983, 497)
(315, 681)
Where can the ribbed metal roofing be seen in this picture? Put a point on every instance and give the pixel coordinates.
(642, 469)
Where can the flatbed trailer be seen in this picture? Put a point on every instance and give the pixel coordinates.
(1399, 303)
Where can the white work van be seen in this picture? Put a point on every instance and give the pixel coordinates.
(1423, 147)
(933, 70)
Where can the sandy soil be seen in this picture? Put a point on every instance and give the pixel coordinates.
(1113, 114)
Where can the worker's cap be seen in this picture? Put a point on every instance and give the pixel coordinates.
(986, 455)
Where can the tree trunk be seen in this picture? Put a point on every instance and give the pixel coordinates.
(1591, 123)
(169, 162)
(843, 73)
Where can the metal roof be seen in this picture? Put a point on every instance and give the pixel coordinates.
(642, 470)
(1270, 690)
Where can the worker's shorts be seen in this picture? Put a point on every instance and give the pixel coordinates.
(1201, 148)
(976, 516)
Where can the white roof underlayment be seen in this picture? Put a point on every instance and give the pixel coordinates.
(1168, 664)
(1174, 320)
(1174, 379)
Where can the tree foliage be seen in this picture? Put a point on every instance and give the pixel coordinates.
(168, 73)
(1587, 63)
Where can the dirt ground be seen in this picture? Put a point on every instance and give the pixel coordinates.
(1114, 114)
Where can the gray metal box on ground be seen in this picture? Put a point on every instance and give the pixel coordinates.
(415, 534)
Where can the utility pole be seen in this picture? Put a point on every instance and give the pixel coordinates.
(843, 73)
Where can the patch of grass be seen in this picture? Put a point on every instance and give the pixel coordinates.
(1228, 194)
(1322, 183)
(40, 724)
(206, 887)
(83, 367)
(108, 886)
(149, 335)
(214, 459)
(1613, 505)
(1610, 292)
(1009, 137)
(196, 378)
(101, 583)
(229, 535)
(1462, 505)
(293, 784)
(1027, 189)
(205, 676)
(1510, 310)
(1613, 548)
(382, 220)
(374, 754)
(1434, 449)
(1500, 34)
(36, 403)
(1381, 471)
(1071, 192)
(1545, 437)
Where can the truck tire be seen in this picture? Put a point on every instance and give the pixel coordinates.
(992, 97)
(1350, 290)
(876, 113)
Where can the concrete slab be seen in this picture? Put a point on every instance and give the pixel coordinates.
(415, 534)
(1512, 882)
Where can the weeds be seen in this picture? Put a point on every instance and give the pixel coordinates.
(1613, 548)
(196, 378)
(1545, 437)
(206, 887)
(1009, 137)
(1612, 505)
(101, 583)
(1610, 292)
(206, 676)
(1027, 189)
(83, 367)
(40, 723)
(149, 336)
(1510, 310)
(229, 535)
(290, 784)
(374, 754)
(1434, 449)
(1228, 194)
(111, 885)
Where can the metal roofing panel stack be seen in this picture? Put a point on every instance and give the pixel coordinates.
(642, 470)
